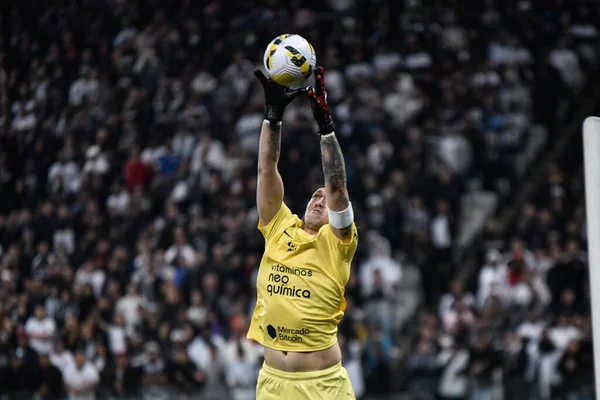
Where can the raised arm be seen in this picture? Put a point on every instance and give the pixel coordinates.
(269, 191)
(340, 211)
(269, 187)
(335, 181)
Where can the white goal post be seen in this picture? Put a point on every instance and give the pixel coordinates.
(591, 156)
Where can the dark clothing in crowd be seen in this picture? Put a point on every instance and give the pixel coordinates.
(49, 383)
(129, 134)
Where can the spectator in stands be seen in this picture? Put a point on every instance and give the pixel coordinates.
(515, 363)
(155, 371)
(26, 357)
(492, 279)
(81, 378)
(64, 173)
(424, 368)
(61, 357)
(442, 233)
(16, 378)
(130, 307)
(127, 181)
(569, 272)
(241, 366)
(566, 61)
(41, 330)
(137, 172)
(456, 308)
(380, 275)
(50, 381)
(121, 378)
(184, 374)
(353, 364)
(454, 378)
(543, 358)
(482, 364)
(576, 370)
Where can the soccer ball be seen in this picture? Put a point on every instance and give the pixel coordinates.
(290, 59)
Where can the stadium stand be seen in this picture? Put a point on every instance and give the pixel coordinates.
(128, 241)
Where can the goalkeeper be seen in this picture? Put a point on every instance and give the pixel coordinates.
(306, 263)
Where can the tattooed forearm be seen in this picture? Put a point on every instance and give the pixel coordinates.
(269, 148)
(333, 163)
(346, 232)
(275, 144)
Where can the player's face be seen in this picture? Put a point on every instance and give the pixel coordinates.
(316, 211)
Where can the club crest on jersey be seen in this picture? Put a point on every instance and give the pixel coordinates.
(292, 246)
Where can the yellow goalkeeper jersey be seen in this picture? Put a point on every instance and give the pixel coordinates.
(300, 285)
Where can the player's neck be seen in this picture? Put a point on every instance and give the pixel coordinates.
(310, 230)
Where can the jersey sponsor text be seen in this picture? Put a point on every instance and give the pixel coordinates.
(292, 271)
(291, 335)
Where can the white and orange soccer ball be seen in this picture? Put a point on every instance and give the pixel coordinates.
(290, 59)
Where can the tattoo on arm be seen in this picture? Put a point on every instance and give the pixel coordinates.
(333, 164)
(346, 232)
(275, 144)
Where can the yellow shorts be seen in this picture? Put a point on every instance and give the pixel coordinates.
(328, 384)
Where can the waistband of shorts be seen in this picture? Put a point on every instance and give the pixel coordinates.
(302, 376)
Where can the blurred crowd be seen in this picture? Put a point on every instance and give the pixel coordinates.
(128, 140)
(523, 330)
(526, 330)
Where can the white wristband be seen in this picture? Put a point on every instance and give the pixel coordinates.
(341, 219)
(266, 121)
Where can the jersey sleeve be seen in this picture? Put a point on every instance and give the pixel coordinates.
(345, 250)
(282, 220)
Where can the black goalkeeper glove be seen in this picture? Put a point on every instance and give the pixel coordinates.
(277, 97)
(318, 103)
